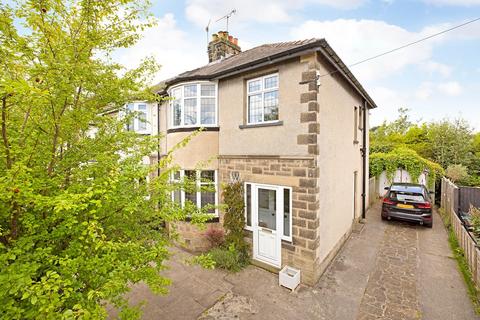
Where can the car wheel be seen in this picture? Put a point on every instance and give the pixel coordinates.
(384, 218)
(429, 225)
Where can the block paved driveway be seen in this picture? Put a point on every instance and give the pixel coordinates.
(386, 270)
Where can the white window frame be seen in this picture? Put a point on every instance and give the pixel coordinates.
(199, 105)
(198, 187)
(280, 189)
(263, 91)
(136, 120)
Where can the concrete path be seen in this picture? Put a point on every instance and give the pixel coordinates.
(386, 270)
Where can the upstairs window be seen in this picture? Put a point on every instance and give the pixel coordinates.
(194, 105)
(139, 122)
(262, 99)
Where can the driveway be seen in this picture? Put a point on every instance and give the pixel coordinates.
(386, 270)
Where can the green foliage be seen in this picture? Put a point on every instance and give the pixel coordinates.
(475, 221)
(444, 142)
(78, 222)
(456, 172)
(205, 260)
(228, 258)
(406, 159)
(234, 220)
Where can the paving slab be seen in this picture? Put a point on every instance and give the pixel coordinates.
(386, 270)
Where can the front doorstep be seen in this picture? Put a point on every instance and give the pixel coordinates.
(265, 266)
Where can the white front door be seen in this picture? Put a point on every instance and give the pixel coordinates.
(267, 224)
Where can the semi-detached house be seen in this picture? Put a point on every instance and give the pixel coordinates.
(290, 121)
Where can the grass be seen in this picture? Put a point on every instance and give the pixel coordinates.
(462, 263)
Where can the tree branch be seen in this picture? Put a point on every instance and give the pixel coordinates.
(4, 133)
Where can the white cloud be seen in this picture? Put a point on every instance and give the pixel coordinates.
(466, 3)
(424, 91)
(266, 11)
(170, 46)
(428, 90)
(355, 40)
(436, 67)
(451, 88)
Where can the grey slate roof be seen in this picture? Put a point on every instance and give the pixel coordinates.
(263, 54)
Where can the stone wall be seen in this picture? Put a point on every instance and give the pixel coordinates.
(300, 174)
(190, 236)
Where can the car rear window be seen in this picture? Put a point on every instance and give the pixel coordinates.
(406, 196)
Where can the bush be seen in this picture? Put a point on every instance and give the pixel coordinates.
(234, 221)
(215, 236)
(475, 220)
(229, 258)
(205, 260)
(456, 172)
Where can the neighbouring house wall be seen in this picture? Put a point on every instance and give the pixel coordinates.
(200, 153)
(339, 157)
(271, 140)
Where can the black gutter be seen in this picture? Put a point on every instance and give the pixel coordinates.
(364, 159)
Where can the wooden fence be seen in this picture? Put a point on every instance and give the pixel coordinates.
(453, 199)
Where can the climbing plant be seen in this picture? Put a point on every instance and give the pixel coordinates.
(406, 159)
(234, 219)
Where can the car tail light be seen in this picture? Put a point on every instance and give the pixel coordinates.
(388, 201)
(425, 205)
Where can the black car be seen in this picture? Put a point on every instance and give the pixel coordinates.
(409, 202)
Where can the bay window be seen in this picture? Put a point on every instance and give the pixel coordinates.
(204, 193)
(194, 105)
(262, 99)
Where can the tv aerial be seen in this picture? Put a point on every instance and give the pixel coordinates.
(227, 16)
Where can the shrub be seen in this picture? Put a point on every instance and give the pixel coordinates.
(205, 261)
(234, 220)
(456, 172)
(229, 258)
(475, 220)
(215, 236)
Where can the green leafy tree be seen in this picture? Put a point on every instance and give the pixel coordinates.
(79, 222)
(456, 172)
(451, 142)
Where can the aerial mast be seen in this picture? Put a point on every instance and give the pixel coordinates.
(227, 16)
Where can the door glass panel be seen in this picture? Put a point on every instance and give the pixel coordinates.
(286, 212)
(267, 210)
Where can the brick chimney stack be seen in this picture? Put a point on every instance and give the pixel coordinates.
(222, 46)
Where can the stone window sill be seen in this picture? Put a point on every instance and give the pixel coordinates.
(261, 125)
(190, 129)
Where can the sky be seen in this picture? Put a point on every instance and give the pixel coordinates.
(435, 79)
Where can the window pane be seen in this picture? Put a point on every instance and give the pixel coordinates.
(249, 205)
(208, 176)
(191, 175)
(177, 113)
(254, 85)
(207, 90)
(190, 110)
(176, 176)
(208, 198)
(191, 196)
(255, 108)
(267, 211)
(130, 124)
(142, 117)
(207, 110)
(190, 90)
(177, 93)
(286, 212)
(271, 82)
(271, 106)
(177, 196)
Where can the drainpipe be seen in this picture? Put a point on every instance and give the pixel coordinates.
(364, 160)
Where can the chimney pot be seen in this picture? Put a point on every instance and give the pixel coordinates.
(222, 45)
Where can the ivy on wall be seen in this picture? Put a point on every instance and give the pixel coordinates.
(406, 159)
